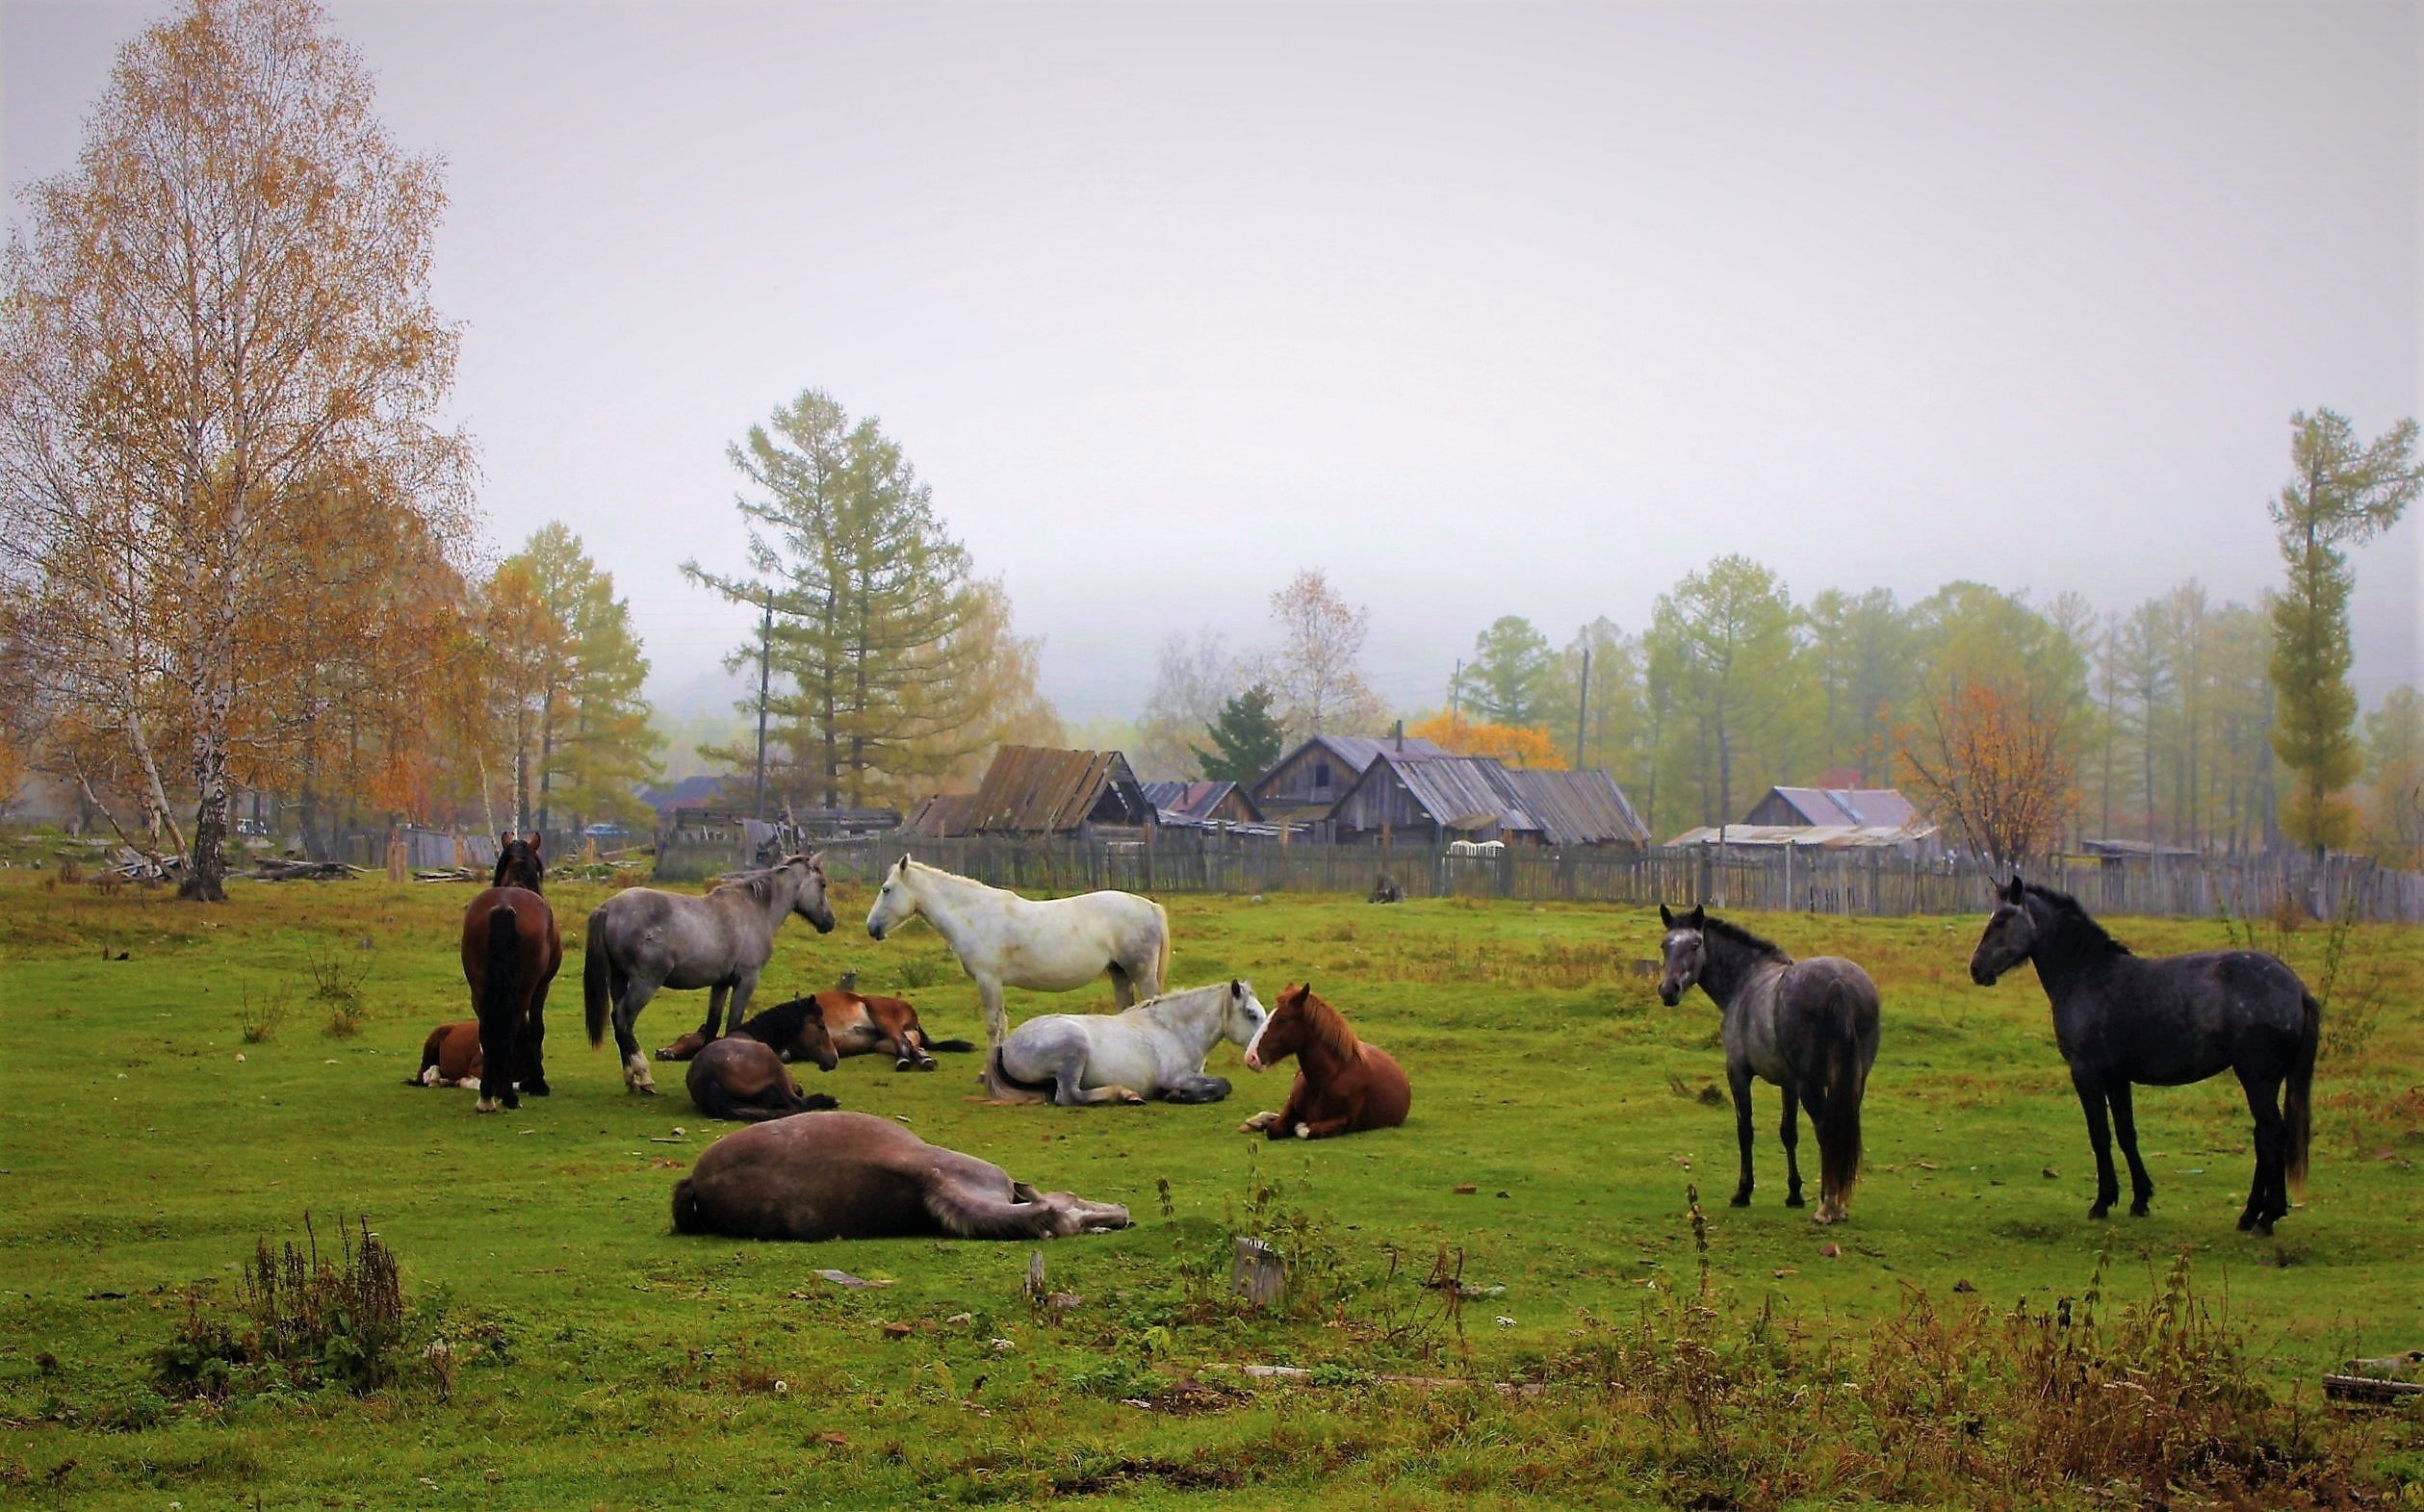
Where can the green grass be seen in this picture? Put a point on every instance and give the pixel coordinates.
(605, 1362)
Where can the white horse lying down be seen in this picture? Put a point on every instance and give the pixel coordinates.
(1056, 945)
(1153, 1050)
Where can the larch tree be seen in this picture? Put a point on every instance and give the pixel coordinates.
(900, 668)
(220, 314)
(2394, 774)
(2344, 492)
(594, 745)
(1720, 656)
(1508, 680)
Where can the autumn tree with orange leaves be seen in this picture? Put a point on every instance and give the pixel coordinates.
(218, 357)
(1512, 744)
(1992, 768)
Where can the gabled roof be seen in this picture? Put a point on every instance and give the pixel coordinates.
(1459, 792)
(1356, 752)
(941, 816)
(1583, 807)
(1869, 808)
(1808, 837)
(1197, 798)
(1040, 791)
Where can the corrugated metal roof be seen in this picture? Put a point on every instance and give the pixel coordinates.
(1359, 750)
(1194, 800)
(1583, 807)
(1463, 793)
(1040, 791)
(1809, 836)
(1865, 807)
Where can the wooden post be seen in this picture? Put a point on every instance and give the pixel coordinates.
(1258, 1275)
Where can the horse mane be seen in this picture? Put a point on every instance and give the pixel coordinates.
(1327, 1027)
(780, 1024)
(1756, 944)
(2079, 931)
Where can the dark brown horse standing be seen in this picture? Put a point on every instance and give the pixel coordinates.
(511, 951)
(1343, 1085)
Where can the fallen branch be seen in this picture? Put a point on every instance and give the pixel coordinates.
(267, 869)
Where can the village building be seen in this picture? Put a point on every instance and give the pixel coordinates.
(1824, 818)
(1203, 802)
(1304, 787)
(1037, 791)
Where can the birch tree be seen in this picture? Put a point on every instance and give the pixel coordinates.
(217, 316)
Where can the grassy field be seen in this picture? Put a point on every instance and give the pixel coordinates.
(1560, 1114)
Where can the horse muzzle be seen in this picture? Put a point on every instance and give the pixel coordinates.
(1981, 975)
(875, 931)
(824, 921)
(1253, 1062)
(1669, 997)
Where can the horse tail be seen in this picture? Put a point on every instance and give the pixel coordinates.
(686, 1216)
(595, 981)
(2295, 1107)
(1835, 1112)
(429, 1058)
(955, 1046)
(499, 999)
(1002, 1086)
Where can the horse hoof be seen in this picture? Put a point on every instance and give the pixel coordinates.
(1824, 1215)
(643, 1088)
(2137, 1210)
(1127, 1096)
(537, 1089)
(2264, 1228)
(1304, 1130)
(1794, 1201)
(2098, 1211)
(484, 1104)
(1740, 1199)
(2247, 1220)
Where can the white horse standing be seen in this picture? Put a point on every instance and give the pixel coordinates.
(1155, 1049)
(1056, 945)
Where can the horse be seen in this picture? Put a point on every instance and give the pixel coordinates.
(449, 1057)
(641, 940)
(738, 1077)
(1155, 1049)
(852, 1175)
(1809, 1027)
(1343, 1085)
(1056, 945)
(852, 1023)
(511, 951)
(2120, 1018)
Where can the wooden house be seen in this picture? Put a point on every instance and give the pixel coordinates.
(1866, 808)
(1416, 799)
(1203, 802)
(1307, 783)
(1579, 811)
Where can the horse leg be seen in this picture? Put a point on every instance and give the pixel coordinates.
(909, 1050)
(1068, 1092)
(711, 1027)
(2126, 1130)
(1122, 986)
(1792, 1145)
(1326, 1128)
(1738, 1078)
(996, 1019)
(1197, 1090)
(635, 996)
(533, 1038)
(2100, 1134)
(2268, 1197)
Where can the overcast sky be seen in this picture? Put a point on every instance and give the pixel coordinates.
(1484, 309)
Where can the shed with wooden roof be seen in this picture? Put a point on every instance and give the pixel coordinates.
(1583, 810)
(1042, 790)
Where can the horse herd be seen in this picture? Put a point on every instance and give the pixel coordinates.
(804, 1170)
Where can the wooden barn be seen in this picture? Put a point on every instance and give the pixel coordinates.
(1036, 790)
(1863, 807)
(1579, 811)
(1307, 783)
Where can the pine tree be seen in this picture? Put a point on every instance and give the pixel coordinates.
(1508, 679)
(1245, 738)
(2343, 494)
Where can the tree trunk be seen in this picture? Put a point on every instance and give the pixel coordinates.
(205, 878)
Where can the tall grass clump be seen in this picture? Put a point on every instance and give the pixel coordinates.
(310, 1320)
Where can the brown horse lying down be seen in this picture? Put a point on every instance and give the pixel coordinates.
(851, 1176)
(738, 1077)
(1342, 1085)
(449, 1057)
(856, 1024)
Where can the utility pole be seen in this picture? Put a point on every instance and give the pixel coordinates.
(1582, 711)
(1455, 689)
(765, 656)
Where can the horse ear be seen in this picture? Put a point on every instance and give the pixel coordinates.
(536, 840)
(2016, 890)
(505, 838)
(1667, 916)
(902, 866)
(1236, 987)
(1700, 916)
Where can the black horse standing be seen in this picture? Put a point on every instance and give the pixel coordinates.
(2120, 1019)
(1809, 1027)
(511, 951)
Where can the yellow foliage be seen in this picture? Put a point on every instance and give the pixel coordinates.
(1512, 744)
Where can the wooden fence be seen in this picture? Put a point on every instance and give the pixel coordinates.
(1867, 883)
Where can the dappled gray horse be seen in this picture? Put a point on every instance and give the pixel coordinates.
(1809, 1027)
(1155, 1049)
(852, 1175)
(642, 940)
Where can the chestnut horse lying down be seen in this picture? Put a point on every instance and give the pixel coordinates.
(738, 1077)
(852, 1175)
(449, 1057)
(854, 1024)
(1342, 1085)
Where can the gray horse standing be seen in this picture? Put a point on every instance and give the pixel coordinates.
(642, 940)
(1809, 1027)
